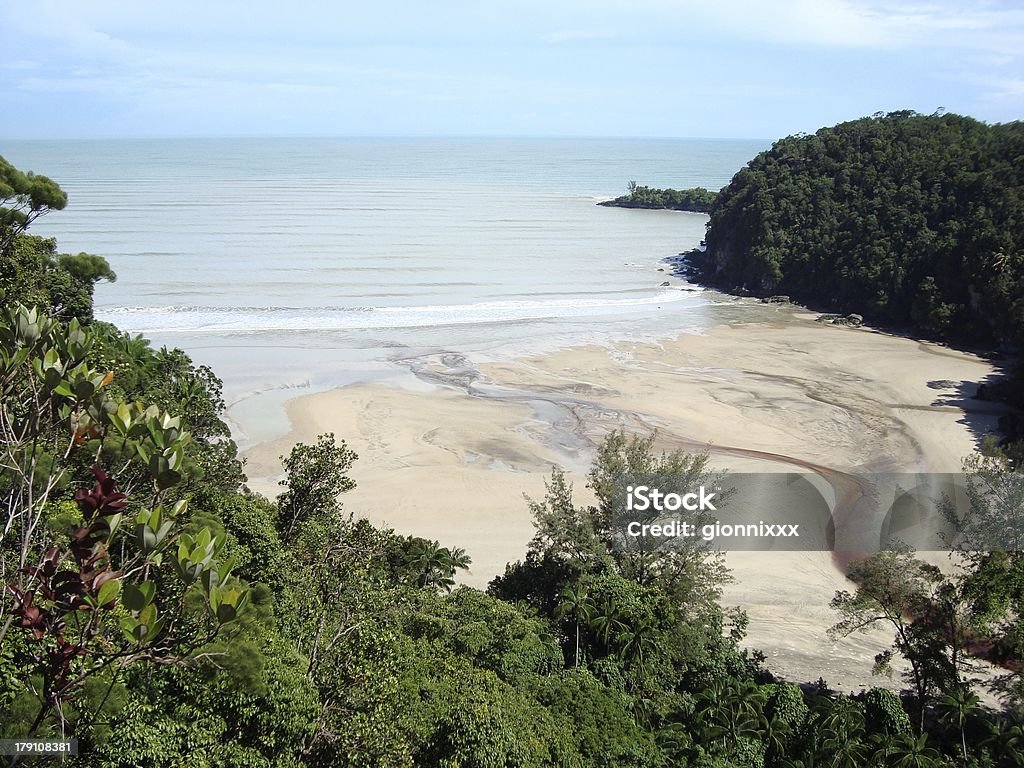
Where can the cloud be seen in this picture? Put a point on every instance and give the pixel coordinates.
(867, 24)
(203, 59)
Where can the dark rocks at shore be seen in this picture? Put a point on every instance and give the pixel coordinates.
(853, 321)
(626, 203)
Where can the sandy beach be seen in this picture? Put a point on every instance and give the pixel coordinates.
(452, 457)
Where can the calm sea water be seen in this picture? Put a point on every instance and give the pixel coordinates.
(313, 262)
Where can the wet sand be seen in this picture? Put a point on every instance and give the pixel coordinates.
(453, 460)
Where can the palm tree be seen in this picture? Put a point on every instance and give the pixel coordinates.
(607, 621)
(747, 696)
(732, 710)
(711, 707)
(910, 751)
(433, 566)
(673, 739)
(637, 642)
(576, 601)
(739, 724)
(137, 350)
(458, 559)
(956, 709)
(842, 751)
(1007, 740)
(776, 737)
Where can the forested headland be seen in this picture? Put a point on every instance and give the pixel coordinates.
(695, 200)
(910, 220)
(164, 615)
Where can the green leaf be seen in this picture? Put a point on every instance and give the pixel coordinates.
(83, 389)
(113, 523)
(142, 451)
(148, 589)
(128, 627)
(137, 597)
(109, 591)
(167, 479)
(147, 622)
(175, 457)
(145, 538)
(226, 613)
(158, 465)
(51, 378)
(133, 598)
(164, 530)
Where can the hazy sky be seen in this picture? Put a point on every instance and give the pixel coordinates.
(713, 68)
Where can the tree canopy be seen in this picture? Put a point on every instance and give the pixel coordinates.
(24, 197)
(907, 219)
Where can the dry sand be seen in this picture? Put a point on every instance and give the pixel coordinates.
(454, 462)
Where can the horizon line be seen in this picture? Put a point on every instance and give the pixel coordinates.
(383, 136)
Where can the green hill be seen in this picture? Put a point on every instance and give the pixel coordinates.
(910, 220)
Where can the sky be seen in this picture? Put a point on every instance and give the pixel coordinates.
(631, 68)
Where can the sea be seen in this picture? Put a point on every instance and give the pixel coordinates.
(299, 264)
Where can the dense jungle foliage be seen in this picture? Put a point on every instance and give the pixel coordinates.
(909, 220)
(164, 615)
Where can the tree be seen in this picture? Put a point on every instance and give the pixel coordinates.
(576, 602)
(913, 752)
(30, 267)
(593, 537)
(899, 591)
(987, 546)
(316, 476)
(606, 621)
(1006, 741)
(431, 566)
(87, 267)
(734, 712)
(566, 531)
(955, 709)
(32, 270)
(86, 591)
(24, 197)
(688, 570)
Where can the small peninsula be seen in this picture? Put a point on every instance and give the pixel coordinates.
(694, 200)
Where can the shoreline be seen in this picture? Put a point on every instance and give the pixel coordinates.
(452, 458)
